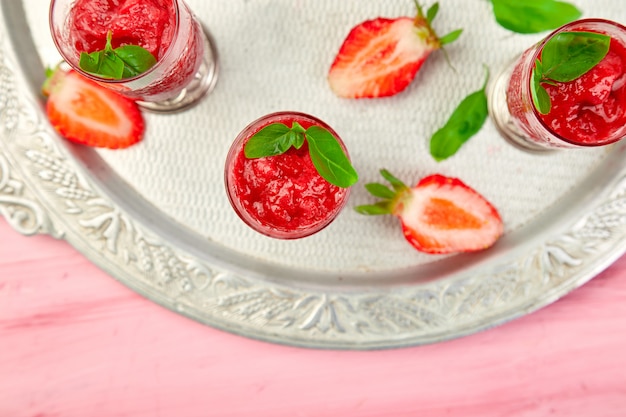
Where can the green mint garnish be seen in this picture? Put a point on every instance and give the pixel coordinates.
(117, 63)
(564, 58)
(327, 155)
(533, 16)
(466, 120)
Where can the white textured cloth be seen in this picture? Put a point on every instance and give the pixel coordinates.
(274, 55)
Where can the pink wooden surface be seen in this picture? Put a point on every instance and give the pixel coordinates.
(76, 343)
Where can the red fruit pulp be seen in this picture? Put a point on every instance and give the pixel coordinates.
(147, 23)
(166, 28)
(592, 108)
(282, 196)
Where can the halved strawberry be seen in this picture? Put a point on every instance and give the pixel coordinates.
(380, 57)
(87, 113)
(439, 215)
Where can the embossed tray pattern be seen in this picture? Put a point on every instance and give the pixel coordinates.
(96, 202)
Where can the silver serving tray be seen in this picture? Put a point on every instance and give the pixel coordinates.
(142, 215)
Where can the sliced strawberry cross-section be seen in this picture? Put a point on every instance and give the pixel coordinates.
(381, 57)
(87, 113)
(439, 215)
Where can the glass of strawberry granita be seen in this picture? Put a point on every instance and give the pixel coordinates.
(589, 110)
(185, 59)
(282, 196)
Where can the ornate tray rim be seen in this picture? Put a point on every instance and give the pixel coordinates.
(44, 188)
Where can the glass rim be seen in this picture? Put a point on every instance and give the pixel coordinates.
(93, 77)
(243, 214)
(537, 52)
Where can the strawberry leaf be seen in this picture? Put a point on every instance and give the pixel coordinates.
(395, 182)
(390, 198)
(329, 158)
(466, 120)
(380, 208)
(380, 190)
(533, 16)
(431, 13)
(450, 37)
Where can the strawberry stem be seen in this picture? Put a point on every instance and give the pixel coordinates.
(108, 47)
(423, 22)
(391, 201)
(47, 84)
(418, 6)
(487, 74)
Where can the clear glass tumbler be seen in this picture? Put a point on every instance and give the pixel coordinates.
(186, 68)
(282, 196)
(596, 115)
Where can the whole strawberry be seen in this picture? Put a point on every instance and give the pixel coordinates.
(439, 215)
(87, 113)
(381, 57)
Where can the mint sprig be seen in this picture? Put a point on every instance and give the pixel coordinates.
(564, 58)
(533, 16)
(117, 63)
(466, 121)
(326, 153)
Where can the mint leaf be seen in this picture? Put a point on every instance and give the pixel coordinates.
(329, 158)
(298, 132)
(533, 16)
(136, 59)
(91, 62)
(565, 57)
(124, 62)
(569, 55)
(103, 64)
(326, 153)
(466, 120)
(540, 96)
(273, 139)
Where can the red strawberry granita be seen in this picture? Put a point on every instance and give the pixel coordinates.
(146, 23)
(592, 109)
(166, 28)
(281, 196)
(588, 111)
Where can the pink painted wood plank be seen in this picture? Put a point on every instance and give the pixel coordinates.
(76, 343)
